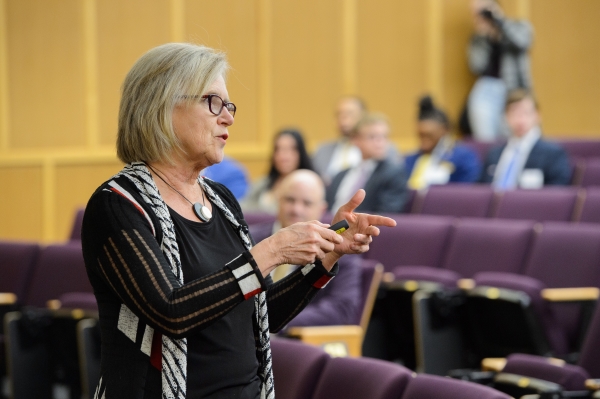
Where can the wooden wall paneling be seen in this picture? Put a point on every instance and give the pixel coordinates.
(90, 39)
(457, 78)
(4, 100)
(308, 75)
(45, 65)
(20, 202)
(392, 62)
(565, 65)
(75, 183)
(126, 30)
(232, 27)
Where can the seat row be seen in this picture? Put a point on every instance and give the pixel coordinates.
(31, 274)
(548, 204)
(306, 372)
(527, 263)
(566, 204)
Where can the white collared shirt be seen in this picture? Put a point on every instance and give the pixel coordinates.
(521, 144)
(345, 155)
(348, 184)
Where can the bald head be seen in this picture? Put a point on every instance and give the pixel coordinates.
(301, 197)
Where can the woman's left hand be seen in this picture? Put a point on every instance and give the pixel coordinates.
(363, 227)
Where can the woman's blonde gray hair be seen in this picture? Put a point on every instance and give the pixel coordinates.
(165, 76)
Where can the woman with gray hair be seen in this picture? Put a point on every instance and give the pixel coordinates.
(185, 300)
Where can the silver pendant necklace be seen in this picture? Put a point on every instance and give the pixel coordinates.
(200, 209)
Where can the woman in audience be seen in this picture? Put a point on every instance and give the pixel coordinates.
(439, 159)
(185, 301)
(289, 154)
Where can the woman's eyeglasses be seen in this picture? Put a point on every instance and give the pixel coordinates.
(216, 104)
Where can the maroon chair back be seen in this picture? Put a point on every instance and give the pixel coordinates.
(59, 269)
(566, 255)
(553, 332)
(359, 378)
(258, 217)
(481, 147)
(548, 204)
(589, 356)
(78, 300)
(415, 240)
(580, 148)
(459, 200)
(590, 210)
(590, 175)
(296, 367)
(425, 386)
(76, 229)
(17, 260)
(478, 245)
(568, 376)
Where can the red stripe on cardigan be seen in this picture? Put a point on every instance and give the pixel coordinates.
(320, 283)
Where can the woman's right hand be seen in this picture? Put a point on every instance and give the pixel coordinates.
(298, 244)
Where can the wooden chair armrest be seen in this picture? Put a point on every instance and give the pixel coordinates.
(571, 294)
(7, 298)
(336, 340)
(493, 364)
(465, 283)
(53, 304)
(388, 277)
(593, 384)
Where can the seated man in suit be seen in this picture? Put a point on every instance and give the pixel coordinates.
(383, 180)
(301, 197)
(526, 161)
(334, 156)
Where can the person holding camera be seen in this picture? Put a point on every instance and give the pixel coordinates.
(498, 55)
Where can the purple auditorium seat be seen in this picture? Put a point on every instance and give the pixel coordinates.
(481, 147)
(76, 229)
(59, 269)
(568, 376)
(17, 260)
(372, 272)
(459, 200)
(591, 172)
(566, 255)
(590, 209)
(416, 240)
(296, 367)
(582, 148)
(425, 386)
(547, 204)
(546, 319)
(446, 278)
(359, 378)
(478, 245)
(78, 300)
(258, 217)
(588, 355)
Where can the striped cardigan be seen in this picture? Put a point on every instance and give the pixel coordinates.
(127, 264)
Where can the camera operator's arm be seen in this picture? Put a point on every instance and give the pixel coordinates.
(517, 35)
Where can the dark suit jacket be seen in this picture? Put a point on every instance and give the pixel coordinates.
(386, 189)
(337, 303)
(551, 158)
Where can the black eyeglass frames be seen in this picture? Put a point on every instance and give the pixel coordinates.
(216, 104)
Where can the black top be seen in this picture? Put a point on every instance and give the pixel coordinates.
(227, 347)
(493, 68)
(127, 265)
